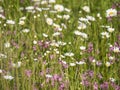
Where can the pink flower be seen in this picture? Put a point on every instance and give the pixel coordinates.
(28, 73)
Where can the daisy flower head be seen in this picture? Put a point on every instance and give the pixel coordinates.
(49, 21)
(86, 9)
(111, 12)
(110, 30)
(59, 7)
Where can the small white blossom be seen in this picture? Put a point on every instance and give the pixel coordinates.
(112, 80)
(8, 77)
(35, 59)
(48, 76)
(59, 7)
(38, 9)
(99, 16)
(110, 30)
(86, 9)
(116, 49)
(56, 34)
(10, 22)
(45, 35)
(80, 63)
(21, 22)
(67, 10)
(52, 1)
(25, 30)
(3, 55)
(84, 35)
(93, 60)
(3, 17)
(43, 2)
(82, 47)
(49, 21)
(72, 64)
(105, 34)
(7, 44)
(29, 8)
(1, 71)
(91, 18)
(83, 20)
(64, 62)
(34, 42)
(111, 58)
(82, 26)
(111, 12)
(59, 16)
(22, 18)
(66, 17)
(107, 64)
(70, 54)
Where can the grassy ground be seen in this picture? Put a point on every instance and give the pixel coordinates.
(33, 58)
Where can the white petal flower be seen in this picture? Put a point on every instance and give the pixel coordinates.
(19, 64)
(82, 47)
(80, 63)
(111, 58)
(66, 17)
(83, 19)
(21, 22)
(45, 35)
(84, 35)
(105, 34)
(8, 77)
(56, 34)
(29, 8)
(72, 64)
(111, 12)
(34, 42)
(1, 71)
(70, 54)
(107, 64)
(3, 55)
(112, 80)
(3, 17)
(43, 2)
(59, 16)
(91, 18)
(116, 49)
(52, 1)
(59, 7)
(25, 30)
(110, 30)
(48, 76)
(10, 22)
(7, 44)
(67, 10)
(82, 26)
(49, 21)
(86, 9)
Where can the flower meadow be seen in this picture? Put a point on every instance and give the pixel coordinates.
(59, 45)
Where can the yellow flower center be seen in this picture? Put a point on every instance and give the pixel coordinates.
(111, 13)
